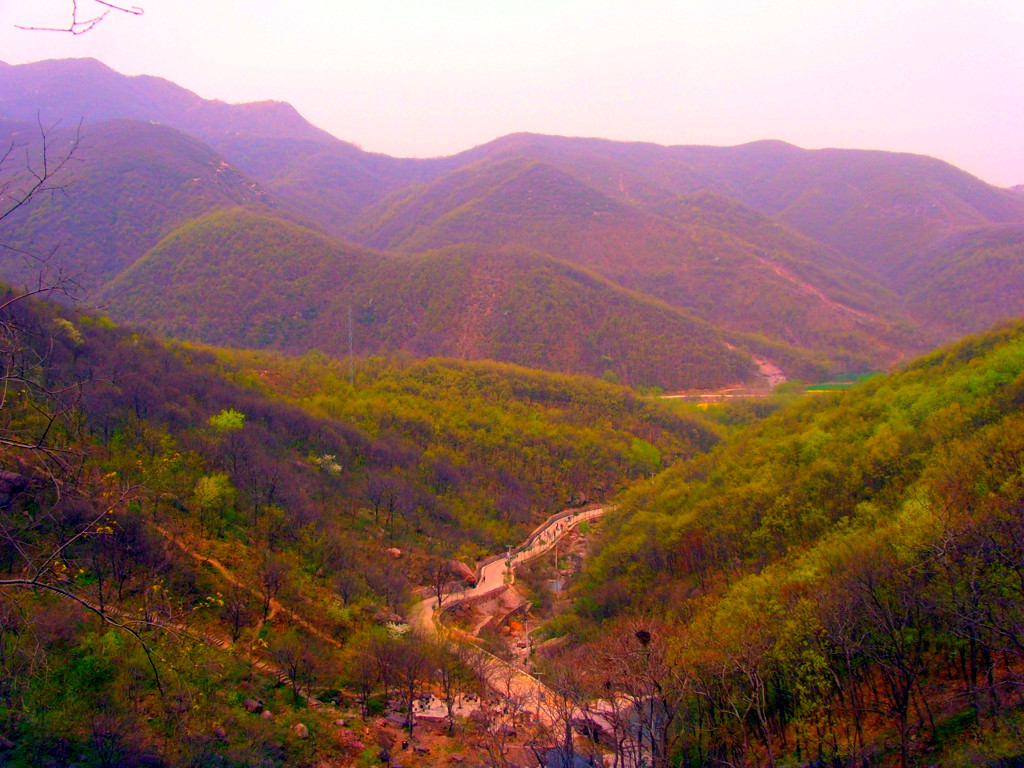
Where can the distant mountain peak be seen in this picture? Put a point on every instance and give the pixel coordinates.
(86, 89)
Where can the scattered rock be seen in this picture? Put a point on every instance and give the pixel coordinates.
(220, 733)
(300, 730)
(395, 552)
(253, 706)
(267, 715)
(340, 723)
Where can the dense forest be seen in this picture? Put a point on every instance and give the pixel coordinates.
(833, 580)
(132, 465)
(839, 582)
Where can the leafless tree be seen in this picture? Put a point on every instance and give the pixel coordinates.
(642, 692)
(453, 673)
(300, 661)
(271, 576)
(236, 610)
(564, 712)
(414, 663)
(52, 505)
(440, 578)
(501, 716)
(81, 21)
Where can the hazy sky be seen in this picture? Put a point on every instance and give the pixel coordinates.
(433, 77)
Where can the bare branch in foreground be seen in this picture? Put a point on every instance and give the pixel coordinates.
(79, 26)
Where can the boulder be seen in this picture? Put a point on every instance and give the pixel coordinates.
(267, 715)
(387, 617)
(462, 571)
(300, 730)
(395, 552)
(10, 484)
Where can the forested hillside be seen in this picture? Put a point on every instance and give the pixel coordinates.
(128, 464)
(126, 185)
(303, 291)
(840, 582)
(807, 297)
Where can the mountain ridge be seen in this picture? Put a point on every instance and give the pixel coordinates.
(510, 306)
(827, 250)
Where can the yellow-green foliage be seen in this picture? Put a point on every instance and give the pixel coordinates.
(541, 437)
(873, 533)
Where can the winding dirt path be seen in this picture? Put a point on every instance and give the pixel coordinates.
(495, 574)
(509, 680)
(498, 571)
(276, 606)
(809, 289)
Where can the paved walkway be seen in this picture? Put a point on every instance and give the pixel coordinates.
(529, 693)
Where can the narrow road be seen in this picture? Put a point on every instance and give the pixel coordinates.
(514, 684)
(493, 572)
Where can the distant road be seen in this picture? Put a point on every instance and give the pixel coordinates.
(771, 373)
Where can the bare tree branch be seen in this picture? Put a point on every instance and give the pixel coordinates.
(79, 26)
(36, 177)
(36, 584)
